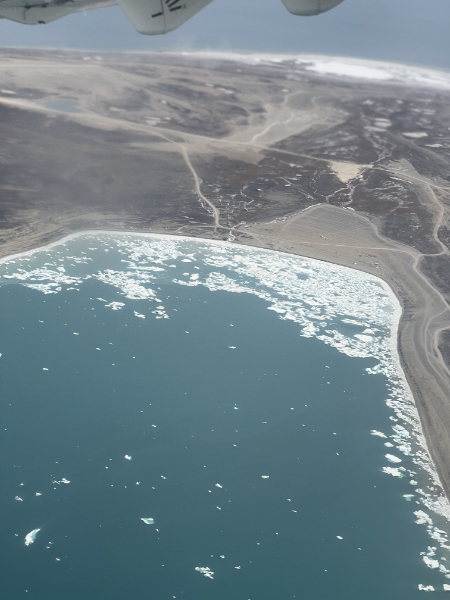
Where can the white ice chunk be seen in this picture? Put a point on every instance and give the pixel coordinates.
(392, 471)
(433, 564)
(265, 476)
(148, 520)
(426, 588)
(30, 537)
(364, 338)
(218, 485)
(392, 458)
(422, 518)
(378, 433)
(115, 305)
(206, 571)
(128, 457)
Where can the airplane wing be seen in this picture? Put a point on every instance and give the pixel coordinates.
(151, 17)
(37, 12)
(308, 8)
(160, 16)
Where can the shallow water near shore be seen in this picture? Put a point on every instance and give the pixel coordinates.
(191, 419)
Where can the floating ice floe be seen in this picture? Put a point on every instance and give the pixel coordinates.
(378, 433)
(128, 457)
(265, 476)
(339, 537)
(63, 480)
(431, 563)
(426, 588)
(115, 305)
(206, 571)
(30, 537)
(392, 458)
(446, 587)
(148, 520)
(218, 485)
(423, 518)
(364, 338)
(392, 471)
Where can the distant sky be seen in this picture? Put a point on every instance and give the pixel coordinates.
(410, 31)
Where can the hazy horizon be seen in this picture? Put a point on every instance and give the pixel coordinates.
(408, 32)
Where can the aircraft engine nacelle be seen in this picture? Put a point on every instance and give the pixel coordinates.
(40, 12)
(153, 17)
(308, 8)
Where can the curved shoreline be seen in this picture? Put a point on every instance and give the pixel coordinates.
(397, 354)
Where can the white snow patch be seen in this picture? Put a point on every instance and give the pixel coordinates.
(349, 70)
(415, 134)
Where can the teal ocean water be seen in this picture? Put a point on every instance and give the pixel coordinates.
(196, 420)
